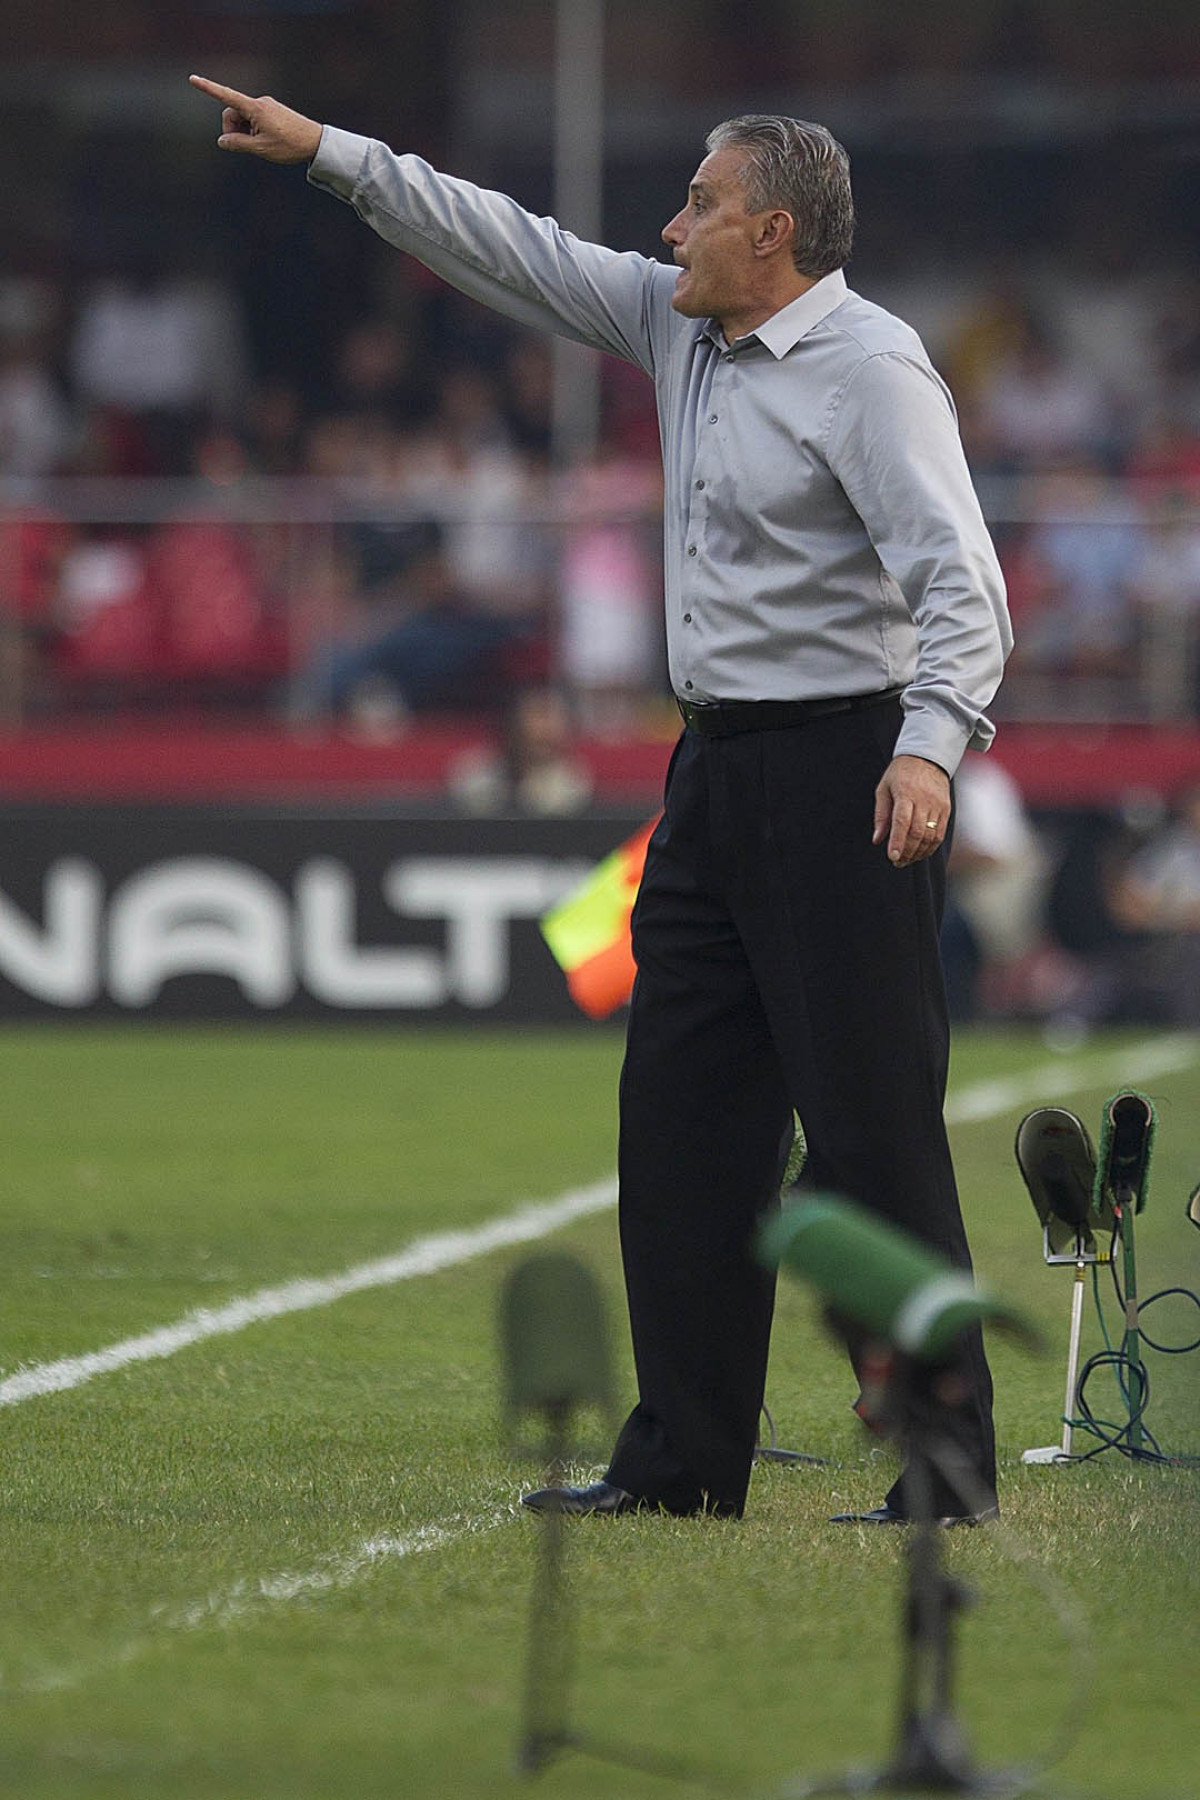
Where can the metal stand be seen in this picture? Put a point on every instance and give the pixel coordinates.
(1052, 1453)
(1135, 1394)
(931, 1755)
(551, 1654)
(546, 1730)
(931, 1746)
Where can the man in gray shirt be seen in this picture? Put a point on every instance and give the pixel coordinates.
(836, 626)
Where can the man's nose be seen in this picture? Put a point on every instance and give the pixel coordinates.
(670, 231)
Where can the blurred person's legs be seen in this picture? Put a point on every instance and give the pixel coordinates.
(446, 658)
(428, 660)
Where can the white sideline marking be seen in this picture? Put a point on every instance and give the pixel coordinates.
(232, 1605)
(1136, 1062)
(428, 1256)
(339, 1570)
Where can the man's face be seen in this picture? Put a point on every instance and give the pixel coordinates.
(713, 240)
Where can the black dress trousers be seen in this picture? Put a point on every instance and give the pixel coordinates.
(783, 962)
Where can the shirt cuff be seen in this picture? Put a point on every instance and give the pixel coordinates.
(338, 164)
(938, 740)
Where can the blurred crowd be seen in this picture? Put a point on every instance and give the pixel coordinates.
(455, 566)
(1081, 414)
(473, 567)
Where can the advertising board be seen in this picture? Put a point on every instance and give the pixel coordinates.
(192, 913)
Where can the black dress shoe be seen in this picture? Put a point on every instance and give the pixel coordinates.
(600, 1497)
(887, 1515)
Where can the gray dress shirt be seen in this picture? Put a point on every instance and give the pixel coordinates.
(822, 537)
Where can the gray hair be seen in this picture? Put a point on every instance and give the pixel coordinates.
(802, 169)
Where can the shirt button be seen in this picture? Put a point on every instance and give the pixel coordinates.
(687, 618)
(728, 357)
(687, 684)
(691, 549)
(700, 487)
(712, 418)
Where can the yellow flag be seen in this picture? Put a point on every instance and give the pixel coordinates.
(588, 932)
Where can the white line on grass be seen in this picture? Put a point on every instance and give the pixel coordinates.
(339, 1570)
(240, 1601)
(427, 1256)
(1141, 1061)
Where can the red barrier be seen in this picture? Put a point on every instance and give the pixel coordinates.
(1054, 765)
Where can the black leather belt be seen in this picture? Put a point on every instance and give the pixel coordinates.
(726, 718)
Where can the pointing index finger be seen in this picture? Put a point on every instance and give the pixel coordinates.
(229, 96)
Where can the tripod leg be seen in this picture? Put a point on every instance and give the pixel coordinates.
(772, 1451)
(931, 1748)
(1131, 1343)
(1052, 1453)
(549, 1662)
(1073, 1354)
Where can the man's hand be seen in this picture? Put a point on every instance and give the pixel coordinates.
(264, 126)
(912, 809)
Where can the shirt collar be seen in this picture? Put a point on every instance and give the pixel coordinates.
(784, 329)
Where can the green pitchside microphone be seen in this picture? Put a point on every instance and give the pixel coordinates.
(877, 1280)
(554, 1338)
(880, 1278)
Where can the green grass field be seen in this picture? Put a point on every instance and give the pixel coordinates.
(286, 1560)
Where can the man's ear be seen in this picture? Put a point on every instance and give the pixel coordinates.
(775, 232)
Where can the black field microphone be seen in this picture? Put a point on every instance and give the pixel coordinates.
(554, 1343)
(1058, 1165)
(1126, 1146)
(1123, 1178)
